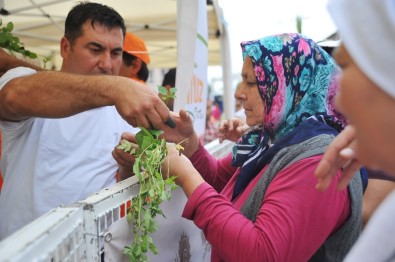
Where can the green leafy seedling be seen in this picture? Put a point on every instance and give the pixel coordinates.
(149, 152)
(167, 94)
(12, 43)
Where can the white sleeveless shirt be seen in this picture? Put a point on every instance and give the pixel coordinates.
(50, 162)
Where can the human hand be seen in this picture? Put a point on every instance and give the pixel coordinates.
(124, 159)
(231, 129)
(183, 131)
(339, 154)
(178, 165)
(139, 105)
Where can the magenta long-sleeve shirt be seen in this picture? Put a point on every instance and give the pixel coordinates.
(293, 222)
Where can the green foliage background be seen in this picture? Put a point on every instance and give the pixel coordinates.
(12, 43)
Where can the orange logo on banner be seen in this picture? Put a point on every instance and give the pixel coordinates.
(195, 94)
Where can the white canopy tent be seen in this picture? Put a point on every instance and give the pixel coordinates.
(40, 24)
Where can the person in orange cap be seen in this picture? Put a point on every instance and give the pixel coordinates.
(135, 58)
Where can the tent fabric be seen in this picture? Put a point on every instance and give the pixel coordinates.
(39, 24)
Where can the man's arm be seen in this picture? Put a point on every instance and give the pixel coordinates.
(53, 94)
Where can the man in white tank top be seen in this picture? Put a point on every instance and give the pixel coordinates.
(59, 129)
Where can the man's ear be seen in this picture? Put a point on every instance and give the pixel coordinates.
(65, 46)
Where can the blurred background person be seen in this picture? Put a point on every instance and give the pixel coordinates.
(218, 107)
(135, 58)
(169, 81)
(211, 129)
(367, 98)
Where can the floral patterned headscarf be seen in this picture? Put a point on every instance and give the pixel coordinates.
(296, 80)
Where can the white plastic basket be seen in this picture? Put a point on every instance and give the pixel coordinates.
(77, 232)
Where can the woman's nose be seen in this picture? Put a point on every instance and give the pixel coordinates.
(239, 94)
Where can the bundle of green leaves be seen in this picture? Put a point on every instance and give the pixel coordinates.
(12, 43)
(149, 153)
(167, 94)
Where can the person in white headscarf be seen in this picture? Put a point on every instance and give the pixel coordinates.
(367, 99)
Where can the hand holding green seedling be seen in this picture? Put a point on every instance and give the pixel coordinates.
(150, 151)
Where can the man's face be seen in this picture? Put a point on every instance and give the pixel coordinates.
(370, 110)
(97, 51)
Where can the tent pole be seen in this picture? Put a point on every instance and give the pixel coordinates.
(226, 61)
(229, 103)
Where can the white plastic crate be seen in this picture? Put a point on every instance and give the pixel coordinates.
(56, 236)
(78, 232)
(101, 210)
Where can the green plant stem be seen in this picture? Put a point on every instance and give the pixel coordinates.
(149, 155)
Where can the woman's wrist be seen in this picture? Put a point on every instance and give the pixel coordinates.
(192, 146)
(191, 182)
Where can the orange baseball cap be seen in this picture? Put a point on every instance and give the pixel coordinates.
(134, 45)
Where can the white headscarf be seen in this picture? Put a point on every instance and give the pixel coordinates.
(367, 30)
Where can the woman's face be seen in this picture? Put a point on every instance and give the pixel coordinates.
(370, 110)
(249, 95)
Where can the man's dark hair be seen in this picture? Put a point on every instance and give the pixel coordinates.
(128, 59)
(170, 78)
(95, 13)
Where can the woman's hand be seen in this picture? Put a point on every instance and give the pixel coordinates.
(177, 164)
(184, 131)
(231, 129)
(340, 154)
(124, 160)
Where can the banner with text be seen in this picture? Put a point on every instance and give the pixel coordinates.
(192, 42)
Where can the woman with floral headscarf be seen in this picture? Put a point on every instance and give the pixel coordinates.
(261, 203)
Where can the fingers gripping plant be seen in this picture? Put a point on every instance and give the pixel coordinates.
(150, 152)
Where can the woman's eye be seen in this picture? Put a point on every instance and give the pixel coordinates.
(342, 65)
